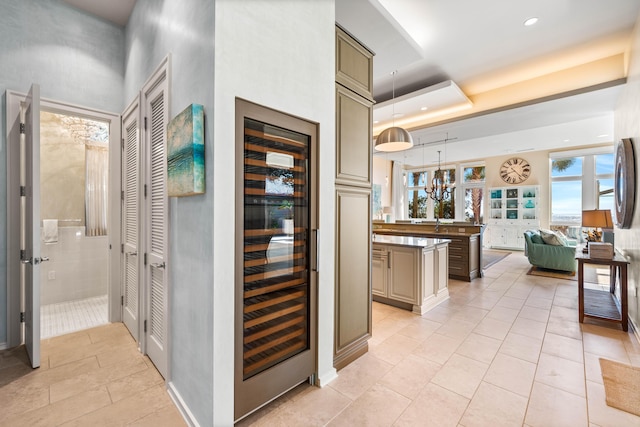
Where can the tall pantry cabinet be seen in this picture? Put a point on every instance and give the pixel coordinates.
(354, 101)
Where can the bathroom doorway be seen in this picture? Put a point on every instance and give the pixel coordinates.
(74, 188)
(23, 311)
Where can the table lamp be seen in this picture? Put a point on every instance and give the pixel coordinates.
(598, 219)
(387, 211)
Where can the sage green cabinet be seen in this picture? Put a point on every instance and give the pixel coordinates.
(353, 199)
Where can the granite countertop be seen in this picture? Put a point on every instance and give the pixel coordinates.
(411, 241)
(414, 232)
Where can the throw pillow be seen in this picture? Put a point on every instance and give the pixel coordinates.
(536, 238)
(553, 238)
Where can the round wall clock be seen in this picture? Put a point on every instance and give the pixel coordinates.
(624, 186)
(515, 170)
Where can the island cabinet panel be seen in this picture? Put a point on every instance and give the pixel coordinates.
(403, 274)
(440, 275)
(379, 271)
(410, 272)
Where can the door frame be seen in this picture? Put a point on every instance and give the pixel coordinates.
(14, 291)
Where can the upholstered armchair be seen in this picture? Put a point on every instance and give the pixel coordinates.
(554, 257)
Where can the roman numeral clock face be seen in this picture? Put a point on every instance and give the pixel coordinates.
(515, 170)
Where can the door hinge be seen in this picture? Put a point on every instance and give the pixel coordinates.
(145, 258)
(145, 326)
(145, 123)
(22, 317)
(145, 191)
(23, 254)
(23, 191)
(122, 195)
(122, 248)
(122, 300)
(22, 128)
(123, 143)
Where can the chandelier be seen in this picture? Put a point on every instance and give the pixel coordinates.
(86, 131)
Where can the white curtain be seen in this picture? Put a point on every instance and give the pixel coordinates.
(96, 189)
(399, 191)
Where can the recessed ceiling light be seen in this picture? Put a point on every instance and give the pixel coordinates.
(375, 121)
(566, 140)
(396, 115)
(423, 108)
(604, 135)
(531, 21)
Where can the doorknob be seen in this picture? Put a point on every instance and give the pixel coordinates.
(34, 261)
(158, 264)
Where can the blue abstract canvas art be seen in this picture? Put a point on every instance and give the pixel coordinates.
(185, 153)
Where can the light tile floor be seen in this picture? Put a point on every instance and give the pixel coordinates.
(70, 316)
(95, 377)
(504, 350)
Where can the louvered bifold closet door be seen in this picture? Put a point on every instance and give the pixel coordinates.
(131, 218)
(276, 246)
(156, 222)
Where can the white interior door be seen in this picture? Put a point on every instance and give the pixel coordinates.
(131, 218)
(155, 214)
(31, 259)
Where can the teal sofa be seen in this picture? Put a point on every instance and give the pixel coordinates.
(548, 256)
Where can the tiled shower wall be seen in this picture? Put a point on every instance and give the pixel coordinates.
(77, 266)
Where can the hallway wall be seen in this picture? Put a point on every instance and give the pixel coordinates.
(279, 54)
(627, 125)
(75, 58)
(184, 29)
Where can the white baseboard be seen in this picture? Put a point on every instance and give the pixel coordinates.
(326, 377)
(635, 329)
(182, 407)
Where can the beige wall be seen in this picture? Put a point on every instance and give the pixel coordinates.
(627, 125)
(539, 161)
(62, 173)
(382, 170)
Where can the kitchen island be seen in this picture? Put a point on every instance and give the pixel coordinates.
(410, 272)
(465, 247)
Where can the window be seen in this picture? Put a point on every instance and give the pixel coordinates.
(473, 178)
(416, 195)
(566, 190)
(604, 180)
(580, 180)
(447, 207)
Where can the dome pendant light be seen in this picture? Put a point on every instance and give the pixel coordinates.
(393, 138)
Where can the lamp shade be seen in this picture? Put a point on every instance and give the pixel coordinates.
(597, 218)
(393, 139)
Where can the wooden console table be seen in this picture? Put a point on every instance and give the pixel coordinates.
(604, 304)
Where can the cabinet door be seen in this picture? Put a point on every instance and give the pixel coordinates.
(353, 138)
(353, 257)
(379, 271)
(354, 65)
(511, 236)
(403, 277)
(440, 272)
